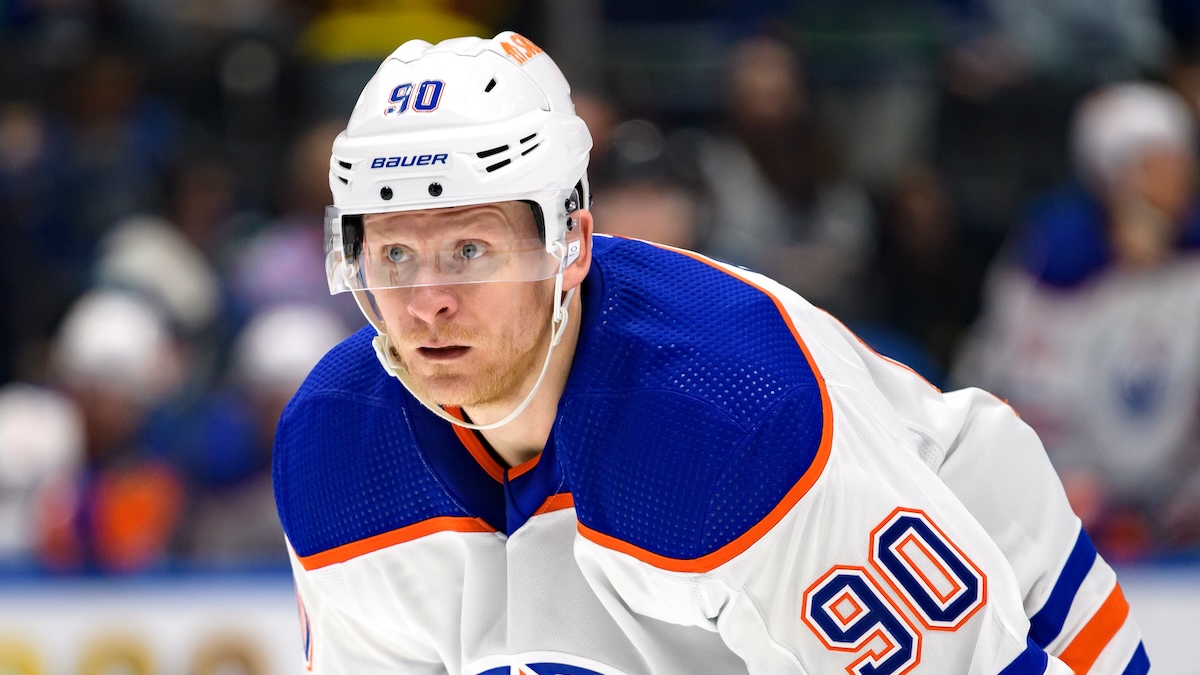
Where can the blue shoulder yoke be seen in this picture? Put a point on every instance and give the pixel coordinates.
(691, 409)
(346, 464)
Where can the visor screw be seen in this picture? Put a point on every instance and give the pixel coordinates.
(435, 189)
(385, 192)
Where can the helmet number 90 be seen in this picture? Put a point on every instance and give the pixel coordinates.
(427, 97)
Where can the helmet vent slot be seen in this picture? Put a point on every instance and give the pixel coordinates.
(500, 164)
(530, 149)
(344, 180)
(345, 165)
(490, 86)
(528, 138)
(488, 153)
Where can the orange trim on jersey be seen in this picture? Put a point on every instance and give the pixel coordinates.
(877, 655)
(846, 596)
(471, 442)
(885, 358)
(916, 568)
(484, 458)
(983, 585)
(355, 549)
(305, 631)
(1104, 624)
(523, 467)
(739, 545)
(562, 500)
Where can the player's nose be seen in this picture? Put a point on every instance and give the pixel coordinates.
(432, 303)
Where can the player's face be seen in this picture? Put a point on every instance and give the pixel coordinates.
(465, 344)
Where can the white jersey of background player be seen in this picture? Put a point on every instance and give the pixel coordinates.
(601, 456)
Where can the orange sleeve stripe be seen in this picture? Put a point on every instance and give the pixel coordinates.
(563, 500)
(355, 549)
(710, 561)
(1104, 624)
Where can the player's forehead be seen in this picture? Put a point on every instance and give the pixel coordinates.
(500, 219)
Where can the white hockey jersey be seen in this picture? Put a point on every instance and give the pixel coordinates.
(733, 484)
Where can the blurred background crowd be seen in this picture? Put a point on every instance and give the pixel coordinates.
(1000, 193)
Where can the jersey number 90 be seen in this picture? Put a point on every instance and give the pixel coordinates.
(850, 612)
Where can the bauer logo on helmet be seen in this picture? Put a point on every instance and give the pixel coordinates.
(410, 160)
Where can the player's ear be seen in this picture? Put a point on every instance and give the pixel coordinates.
(581, 234)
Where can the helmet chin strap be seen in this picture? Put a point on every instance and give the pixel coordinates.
(387, 355)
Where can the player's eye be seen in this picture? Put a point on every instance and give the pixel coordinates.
(397, 254)
(471, 250)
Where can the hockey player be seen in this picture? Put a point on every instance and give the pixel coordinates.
(560, 453)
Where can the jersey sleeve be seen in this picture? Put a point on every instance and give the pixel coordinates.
(870, 564)
(337, 639)
(997, 467)
(877, 569)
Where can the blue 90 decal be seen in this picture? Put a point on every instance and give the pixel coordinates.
(941, 585)
(425, 98)
(541, 669)
(849, 613)
(848, 610)
(539, 663)
(429, 95)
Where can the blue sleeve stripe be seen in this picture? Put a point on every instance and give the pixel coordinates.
(1139, 664)
(1048, 622)
(1032, 661)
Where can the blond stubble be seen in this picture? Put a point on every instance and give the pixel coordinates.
(509, 359)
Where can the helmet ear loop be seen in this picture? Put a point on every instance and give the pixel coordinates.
(560, 301)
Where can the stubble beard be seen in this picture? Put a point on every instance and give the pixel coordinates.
(508, 360)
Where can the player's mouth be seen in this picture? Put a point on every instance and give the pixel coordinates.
(446, 353)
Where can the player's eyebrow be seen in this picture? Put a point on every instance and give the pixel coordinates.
(447, 226)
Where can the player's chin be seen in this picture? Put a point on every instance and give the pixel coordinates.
(447, 390)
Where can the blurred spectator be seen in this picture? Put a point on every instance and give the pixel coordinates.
(285, 262)
(1092, 324)
(662, 57)
(602, 117)
(925, 275)
(779, 203)
(201, 202)
(118, 143)
(152, 257)
(874, 70)
(640, 193)
(1086, 43)
(225, 444)
(1013, 73)
(116, 359)
(41, 445)
(658, 212)
(28, 198)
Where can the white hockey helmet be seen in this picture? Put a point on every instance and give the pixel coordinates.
(466, 121)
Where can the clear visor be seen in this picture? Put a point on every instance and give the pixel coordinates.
(374, 257)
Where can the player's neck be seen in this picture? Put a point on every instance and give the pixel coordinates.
(523, 438)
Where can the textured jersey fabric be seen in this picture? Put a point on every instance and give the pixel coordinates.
(733, 484)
